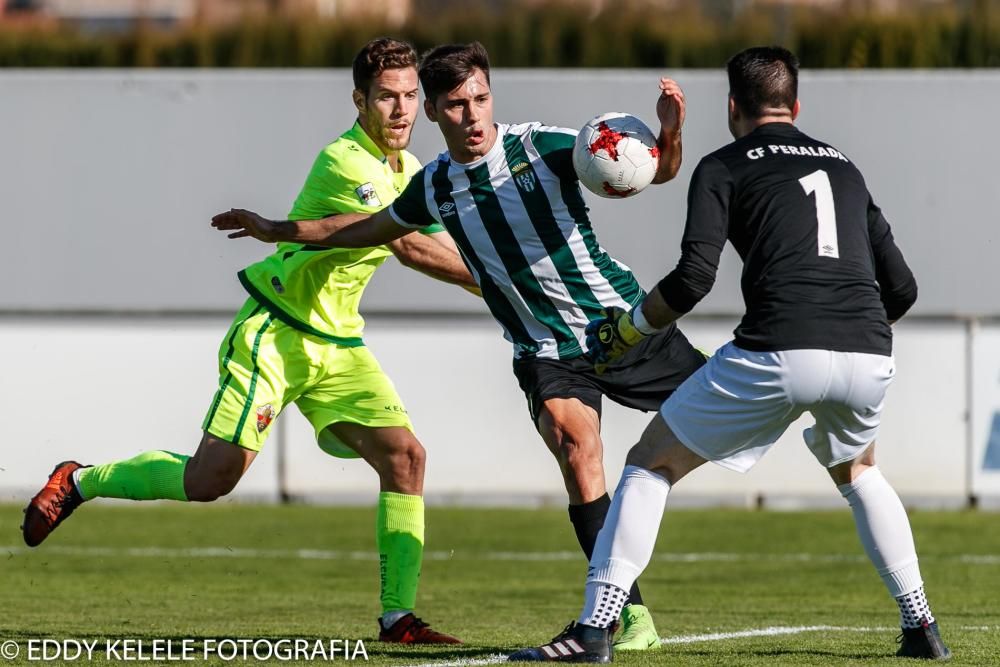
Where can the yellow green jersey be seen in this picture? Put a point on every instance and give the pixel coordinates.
(315, 289)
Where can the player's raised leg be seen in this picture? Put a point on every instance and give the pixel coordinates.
(252, 383)
(398, 458)
(212, 472)
(216, 466)
(572, 431)
(887, 538)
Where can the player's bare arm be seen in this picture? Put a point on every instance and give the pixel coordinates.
(347, 230)
(250, 224)
(434, 257)
(670, 110)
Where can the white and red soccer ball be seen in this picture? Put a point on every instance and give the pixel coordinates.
(615, 155)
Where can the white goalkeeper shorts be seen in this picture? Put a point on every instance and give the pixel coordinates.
(734, 408)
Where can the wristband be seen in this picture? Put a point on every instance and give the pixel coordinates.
(641, 323)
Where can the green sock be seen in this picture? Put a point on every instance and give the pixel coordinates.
(148, 476)
(399, 536)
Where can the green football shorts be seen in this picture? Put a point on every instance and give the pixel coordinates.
(265, 364)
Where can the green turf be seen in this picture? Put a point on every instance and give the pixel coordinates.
(70, 589)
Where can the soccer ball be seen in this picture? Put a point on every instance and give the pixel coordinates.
(615, 155)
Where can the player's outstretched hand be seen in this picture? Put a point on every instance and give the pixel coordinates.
(670, 106)
(246, 223)
(609, 338)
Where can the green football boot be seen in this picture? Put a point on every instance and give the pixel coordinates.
(638, 632)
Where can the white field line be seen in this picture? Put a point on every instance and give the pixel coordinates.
(517, 556)
(772, 631)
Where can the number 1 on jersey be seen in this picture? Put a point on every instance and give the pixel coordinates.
(826, 215)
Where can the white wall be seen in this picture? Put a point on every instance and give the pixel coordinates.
(99, 389)
(108, 178)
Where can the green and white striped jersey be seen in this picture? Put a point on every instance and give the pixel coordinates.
(519, 220)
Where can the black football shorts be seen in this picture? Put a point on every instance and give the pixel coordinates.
(643, 379)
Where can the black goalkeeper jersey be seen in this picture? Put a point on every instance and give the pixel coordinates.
(820, 267)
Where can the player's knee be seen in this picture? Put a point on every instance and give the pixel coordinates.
(204, 486)
(645, 456)
(406, 461)
(671, 460)
(206, 493)
(215, 469)
(845, 473)
(416, 456)
(580, 455)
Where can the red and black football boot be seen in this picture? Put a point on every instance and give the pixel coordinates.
(50, 506)
(411, 630)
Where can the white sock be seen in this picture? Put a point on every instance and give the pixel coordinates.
(625, 543)
(389, 618)
(604, 604)
(76, 481)
(914, 609)
(884, 530)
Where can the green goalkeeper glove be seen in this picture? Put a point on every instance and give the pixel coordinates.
(609, 338)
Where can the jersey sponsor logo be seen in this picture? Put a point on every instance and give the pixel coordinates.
(366, 193)
(398, 409)
(265, 415)
(447, 208)
(526, 181)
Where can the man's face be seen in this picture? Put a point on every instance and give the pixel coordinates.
(389, 109)
(465, 116)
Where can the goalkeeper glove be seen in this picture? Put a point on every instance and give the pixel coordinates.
(609, 338)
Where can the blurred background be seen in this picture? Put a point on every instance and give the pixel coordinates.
(126, 124)
(519, 33)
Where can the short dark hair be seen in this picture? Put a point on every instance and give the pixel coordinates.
(762, 78)
(446, 67)
(379, 55)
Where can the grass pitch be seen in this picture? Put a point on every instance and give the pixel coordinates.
(725, 587)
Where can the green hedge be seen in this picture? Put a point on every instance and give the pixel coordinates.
(556, 36)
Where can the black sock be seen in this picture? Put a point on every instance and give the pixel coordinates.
(587, 520)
